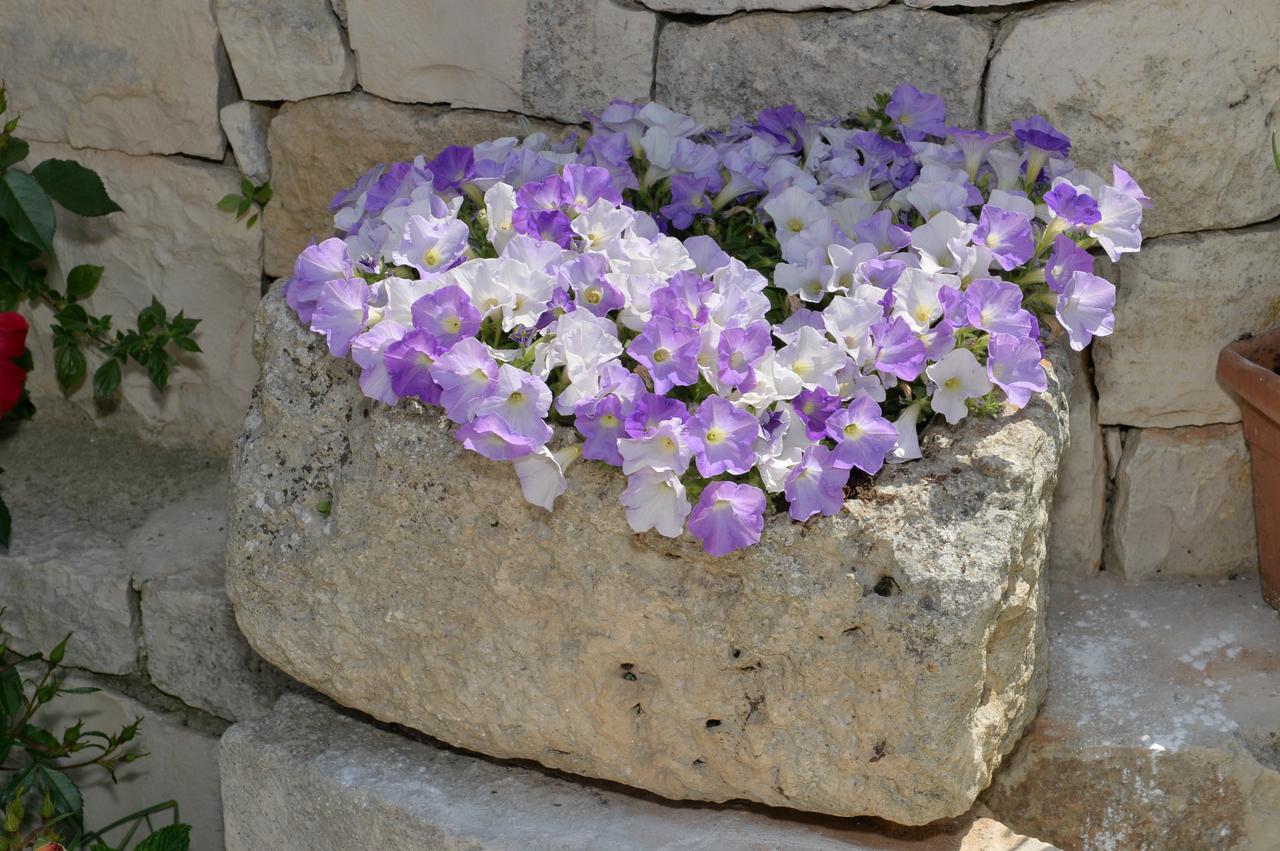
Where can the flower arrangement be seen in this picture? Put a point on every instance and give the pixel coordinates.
(737, 319)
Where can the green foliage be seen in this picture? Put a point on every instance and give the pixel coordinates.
(252, 196)
(39, 800)
(1275, 151)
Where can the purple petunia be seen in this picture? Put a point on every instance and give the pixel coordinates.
(1007, 235)
(1066, 259)
(465, 373)
(447, 315)
(898, 351)
(916, 113)
(1077, 209)
(863, 437)
(1013, 365)
(816, 484)
(670, 353)
(317, 265)
(409, 361)
(1084, 308)
(728, 517)
(494, 438)
(721, 436)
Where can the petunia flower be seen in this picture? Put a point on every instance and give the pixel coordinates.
(655, 501)
(1075, 207)
(994, 305)
(662, 448)
(340, 313)
(521, 400)
(494, 438)
(446, 314)
(1117, 228)
(1085, 308)
(816, 484)
(408, 361)
(916, 113)
(957, 378)
(1007, 235)
(1013, 365)
(1065, 259)
(728, 517)
(367, 351)
(863, 437)
(896, 349)
(316, 266)
(721, 437)
(669, 352)
(466, 373)
(541, 474)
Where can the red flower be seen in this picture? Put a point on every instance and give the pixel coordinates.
(11, 381)
(13, 335)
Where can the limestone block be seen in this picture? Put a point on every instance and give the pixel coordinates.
(1178, 303)
(1159, 728)
(181, 765)
(1183, 505)
(728, 7)
(286, 49)
(878, 662)
(552, 58)
(173, 243)
(246, 125)
(829, 64)
(1080, 498)
(309, 776)
(146, 78)
(1153, 85)
(322, 145)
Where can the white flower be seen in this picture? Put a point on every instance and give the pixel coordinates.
(542, 474)
(844, 263)
(1117, 231)
(916, 297)
(777, 456)
(1012, 202)
(795, 212)
(849, 320)
(499, 205)
(601, 222)
(655, 501)
(938, 197)
(851, 212)
(908, 446)
(530, 289)
(773, 383)
(815, 359)
(957, 377)
(933, 241)
(1008, 168)
(808, 281)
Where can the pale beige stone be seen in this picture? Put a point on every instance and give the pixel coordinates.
(830, 64)
(146, 78)
(171, 242)
(308, 776)
(1183, 505)
(286, 49)
(878, 662)
(322, 145)
(1154, 85)
(1159, 728)
(728, 7)
(552, 58)
(1080, 498)
(246, 126)
(1178, 302)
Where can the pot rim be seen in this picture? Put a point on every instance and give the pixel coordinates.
(1246, 378)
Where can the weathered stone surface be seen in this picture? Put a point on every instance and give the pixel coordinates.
(827, 63)
(286, 49)
(76, 557)
(779, 675)
(1080, 499)
(1178, 303)
(1159, 730)
(553, 58)
(182, 761)
(173, 243)
(978, 4)
(728, 7)
(321, 145)
(246, 127)
(1148, 83)
(308, 776)
(1183, 505)
(146, 78)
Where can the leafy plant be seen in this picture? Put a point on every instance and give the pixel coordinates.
(40, 803)
(26, 240)
(251, 195)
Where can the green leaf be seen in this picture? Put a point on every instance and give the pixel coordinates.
(66, 797)
(243, 207)
(14, 151)
(75, 187)
(56, 654)
(106, 379)
(186, 344)
(82, 281)
(263, 195)
(171, 837)
(253, 220)
(38, 736)
(25, 206)
(158, 364)
(73, 318)
(6, 524)
(10, 691)
(246, 187)
(69, 366)
(229, 203)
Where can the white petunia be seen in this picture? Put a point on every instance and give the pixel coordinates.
(500, 205)
(655, 501)
(815, 359)
(933, 241)
(957, 377)
(916, 297)
(601, 222)
(542, 474)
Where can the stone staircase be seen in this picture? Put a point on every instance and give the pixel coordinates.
(1161, 729)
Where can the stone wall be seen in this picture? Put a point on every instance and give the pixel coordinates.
(311, 92)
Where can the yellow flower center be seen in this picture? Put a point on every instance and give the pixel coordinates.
(951, 383)
(432, 257)
(795, 225)
(715, 435)
(453, 324)
(853, 431)
(661, 356)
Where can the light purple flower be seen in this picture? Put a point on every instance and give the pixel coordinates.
(340, 313)
(1013, 365)
(1006, 235)
(431, 245)
(816, 484)
(669, 352)
(1084, 308)
(1121, 180)
(1036, 132)
(880, 231)
(916, 113)
(662, 448)
(494, 438)
(898, 351)
(446, 314)
(655, 501)
(601, 422)
(522, 401)
(466, 374)
(994, 305)
(863, 437)
(409, 363)
(583, 185)
(974, 144)
(688, 199)
(585, 274)
(814, 405)
(317, 265)
(366, 351)
(721, 436)
(650, 411)
(728, 517)
(1078, 209)
(737, 353)
(1065, 259)
(454, 166)
(546, 225)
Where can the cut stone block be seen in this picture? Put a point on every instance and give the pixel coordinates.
(879, 662)
(728, 7)
(1147, 84)
(1080, 498)
(308, 776)
(322, 145)
(170, 242)
(1157, 369)
(1159, 730)
(246, 127)
(286, 49)
(181, 765)
(553, 58)
(1183, 505)
(829, 64)
(144, 78)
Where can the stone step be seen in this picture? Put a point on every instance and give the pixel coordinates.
(1161, 729)
(309, 776)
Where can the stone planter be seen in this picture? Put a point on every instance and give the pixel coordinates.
(880, 662)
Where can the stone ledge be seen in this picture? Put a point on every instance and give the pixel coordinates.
(1162, 724)
(309, 776)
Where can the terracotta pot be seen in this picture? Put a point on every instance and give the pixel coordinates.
(1248, 368)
